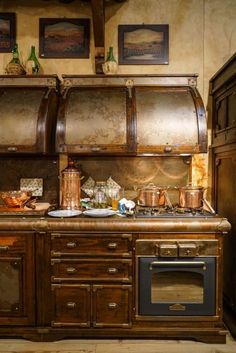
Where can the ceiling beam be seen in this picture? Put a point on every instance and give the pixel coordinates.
(99, 33)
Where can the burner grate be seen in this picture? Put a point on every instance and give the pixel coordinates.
(175, 211)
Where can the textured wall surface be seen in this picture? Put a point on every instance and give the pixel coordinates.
(202, 36)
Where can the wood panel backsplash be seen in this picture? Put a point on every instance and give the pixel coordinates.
(13, 169)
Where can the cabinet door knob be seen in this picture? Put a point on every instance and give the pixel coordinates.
(112, 270)
(112, 245)
(71, 305)
(167, 149)
(12, 149)
(71, 245)
(71, 270)
(112, 305)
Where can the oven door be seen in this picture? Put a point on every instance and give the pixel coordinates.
(176, 286)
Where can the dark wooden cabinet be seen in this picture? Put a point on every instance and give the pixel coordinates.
(28, 109)
(223, 168)
(91, 279)
(131, 115)
(73, 278)
(17, 278)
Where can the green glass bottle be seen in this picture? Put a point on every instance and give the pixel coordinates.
(110, 55)
(110, 66)
(15, 55)
(32, 63)
(14, 67)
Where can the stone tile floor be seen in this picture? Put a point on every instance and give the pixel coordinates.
(115, 346)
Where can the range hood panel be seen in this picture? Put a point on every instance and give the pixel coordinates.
(131, 114)
(19, 108)
(166, 117)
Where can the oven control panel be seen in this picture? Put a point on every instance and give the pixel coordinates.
(176, 248)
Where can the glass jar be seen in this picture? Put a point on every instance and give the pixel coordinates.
(100, 195)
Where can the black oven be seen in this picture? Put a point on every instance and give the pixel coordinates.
(171, 286)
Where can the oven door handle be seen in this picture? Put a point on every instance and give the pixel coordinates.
(195, 264)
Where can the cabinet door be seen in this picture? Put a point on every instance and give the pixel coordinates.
(112, 305)
(170, 120)
(224, 116)
(17, 290)
(225, 195)
(94, 120)
(27, 109)
(71, 305)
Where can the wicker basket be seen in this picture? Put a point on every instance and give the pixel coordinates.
(15, 69)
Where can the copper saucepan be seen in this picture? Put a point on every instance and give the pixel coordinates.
(191, 196)
(152, 196)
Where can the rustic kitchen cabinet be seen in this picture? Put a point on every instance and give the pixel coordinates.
(131, 115)
(91, 280)
(223, 167)
(28, 109)
(17, 278)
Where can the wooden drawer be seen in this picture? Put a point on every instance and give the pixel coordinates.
(91, 269)
(112, 305)
(12, 244)
(91, 244)
(71, 305)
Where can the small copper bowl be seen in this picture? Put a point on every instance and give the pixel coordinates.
(16, 198)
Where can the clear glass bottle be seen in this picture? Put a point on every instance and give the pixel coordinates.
(100, 195)
(32, 63)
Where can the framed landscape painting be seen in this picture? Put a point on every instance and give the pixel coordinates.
(7, 31)
(64, 37)
(143, 44)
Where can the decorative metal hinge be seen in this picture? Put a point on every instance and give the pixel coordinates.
(129, 84)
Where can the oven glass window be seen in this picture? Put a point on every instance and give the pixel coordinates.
(177, 286)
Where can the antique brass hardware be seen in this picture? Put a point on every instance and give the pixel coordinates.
(177, 307)
(167, 149)
(71, 305)
(12, 149)
(112, 305)
(4, 248)
(71, 245)
(177, 264)
(187, 250)
(71, 270)
(112, 270)
(168, 250)
(112, 245)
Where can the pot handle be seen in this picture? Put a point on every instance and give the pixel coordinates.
(208, 206)
(167, 199)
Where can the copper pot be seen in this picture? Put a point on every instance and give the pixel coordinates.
(191, 196)
(151, 195)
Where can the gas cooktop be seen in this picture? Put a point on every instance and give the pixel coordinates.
(149, 212)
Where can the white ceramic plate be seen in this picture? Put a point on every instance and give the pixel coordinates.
(99, 212)
(64, 213)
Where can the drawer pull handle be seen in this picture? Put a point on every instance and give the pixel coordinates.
(71, 270)
(112, 245)
(112, 270)
(4, 248)
(71, 305)
(112, 305)
(12, 149)
(71, 245)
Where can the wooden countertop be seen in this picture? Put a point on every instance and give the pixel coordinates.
(115, 224)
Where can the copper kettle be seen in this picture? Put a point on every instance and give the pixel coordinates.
(70, 187)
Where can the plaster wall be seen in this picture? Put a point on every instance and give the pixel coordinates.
(202, 36)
